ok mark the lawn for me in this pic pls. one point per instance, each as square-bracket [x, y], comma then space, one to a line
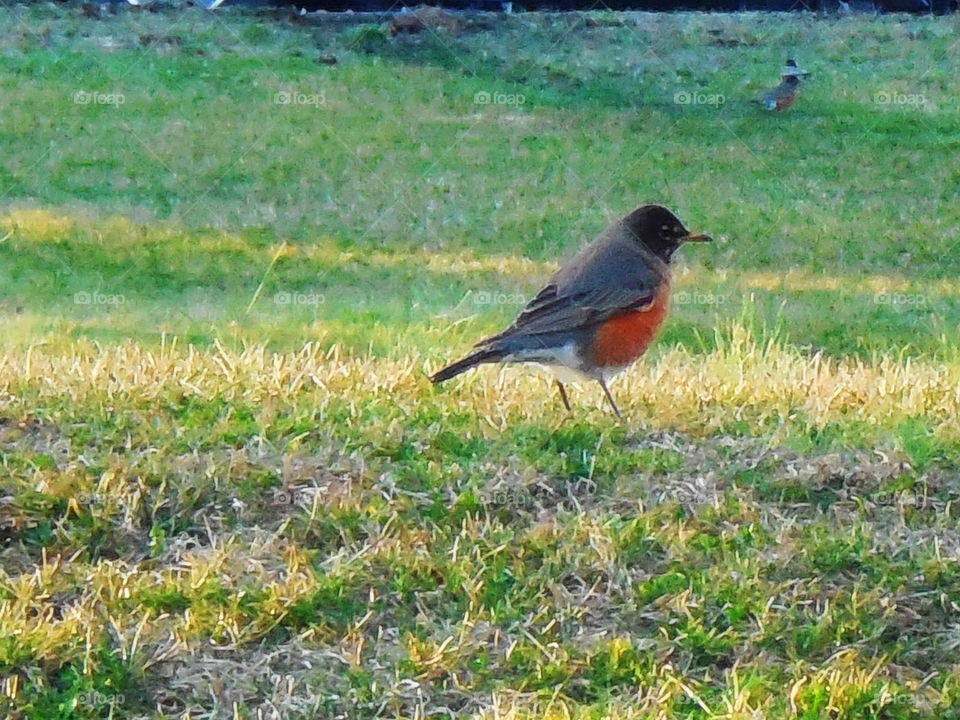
[228, 263]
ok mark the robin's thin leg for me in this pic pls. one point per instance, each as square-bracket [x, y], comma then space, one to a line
[610, 398]
[563, 396]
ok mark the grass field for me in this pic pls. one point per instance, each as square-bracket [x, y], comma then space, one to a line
[226, 266]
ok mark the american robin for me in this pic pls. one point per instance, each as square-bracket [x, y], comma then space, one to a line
[783, 95]
[600, 311]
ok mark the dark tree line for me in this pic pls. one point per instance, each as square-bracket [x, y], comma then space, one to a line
[938, 7]
[911, 6]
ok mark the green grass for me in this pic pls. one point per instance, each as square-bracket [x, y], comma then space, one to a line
[227, 488]
[178, 199]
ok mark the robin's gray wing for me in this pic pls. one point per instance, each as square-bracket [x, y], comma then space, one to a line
[551, 312]
[609, 276]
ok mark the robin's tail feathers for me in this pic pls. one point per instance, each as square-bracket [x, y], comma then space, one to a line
[477, 358]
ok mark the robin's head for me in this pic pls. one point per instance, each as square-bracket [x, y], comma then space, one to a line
[792, 73]
[659, 230]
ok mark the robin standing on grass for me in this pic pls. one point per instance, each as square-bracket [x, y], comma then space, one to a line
[600, 311]
[783, 95]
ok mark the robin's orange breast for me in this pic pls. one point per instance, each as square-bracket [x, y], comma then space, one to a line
[786, 101]
[625, 337]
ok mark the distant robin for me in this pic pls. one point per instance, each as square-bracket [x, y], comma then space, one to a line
[783, 95]
[600, 311]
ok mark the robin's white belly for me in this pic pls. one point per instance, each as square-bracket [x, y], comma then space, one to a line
[566, 364]
[565, 374]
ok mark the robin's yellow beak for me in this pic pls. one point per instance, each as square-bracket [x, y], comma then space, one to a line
[698, 237]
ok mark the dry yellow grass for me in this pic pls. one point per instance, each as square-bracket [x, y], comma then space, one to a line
[701, 393]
